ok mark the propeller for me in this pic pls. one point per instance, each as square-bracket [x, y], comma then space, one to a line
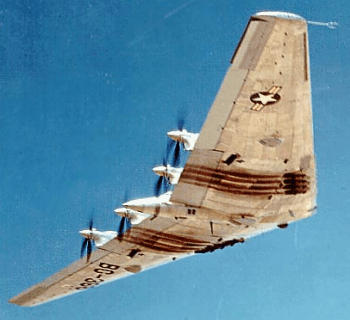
[162, 183]
[121, 226]
[124, 224]
[87, 244]
[177, 149]
[177, 153]
[180, 122]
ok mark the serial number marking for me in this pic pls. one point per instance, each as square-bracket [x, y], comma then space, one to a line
[104, 269]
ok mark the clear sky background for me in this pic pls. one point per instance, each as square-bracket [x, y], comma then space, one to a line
[88, 90]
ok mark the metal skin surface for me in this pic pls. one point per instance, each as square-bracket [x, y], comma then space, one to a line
[251, 170]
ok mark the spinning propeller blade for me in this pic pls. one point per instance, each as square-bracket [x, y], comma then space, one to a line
[89, 250]
[162, 183]
[121, 226]
[176, 160]
[87, 244]
[124, 220]
[177, 149]
[83, 247]
[158, 186]
[180, 122]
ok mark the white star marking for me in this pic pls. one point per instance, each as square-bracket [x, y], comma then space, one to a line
[264, 98]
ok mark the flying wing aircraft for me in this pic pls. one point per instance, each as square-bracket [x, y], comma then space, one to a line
[251, 168]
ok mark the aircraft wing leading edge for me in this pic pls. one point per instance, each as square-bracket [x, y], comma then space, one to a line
[253, 165]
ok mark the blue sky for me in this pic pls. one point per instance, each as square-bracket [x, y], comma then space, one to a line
[88, 90]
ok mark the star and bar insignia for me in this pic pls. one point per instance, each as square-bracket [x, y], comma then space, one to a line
[264, 98]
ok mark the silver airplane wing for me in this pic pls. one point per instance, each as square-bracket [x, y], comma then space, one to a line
[253, 163]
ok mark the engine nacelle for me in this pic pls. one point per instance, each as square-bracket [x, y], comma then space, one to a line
[188, 139]
[135, 217]
[163, 207]
[99, 237]
[169, 172]
[148, 204]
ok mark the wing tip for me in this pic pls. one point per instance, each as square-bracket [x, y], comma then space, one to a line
[29, 298]
[19, 302]
[280, 14]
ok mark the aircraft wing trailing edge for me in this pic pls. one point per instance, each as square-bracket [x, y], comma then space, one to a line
[252, 168]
